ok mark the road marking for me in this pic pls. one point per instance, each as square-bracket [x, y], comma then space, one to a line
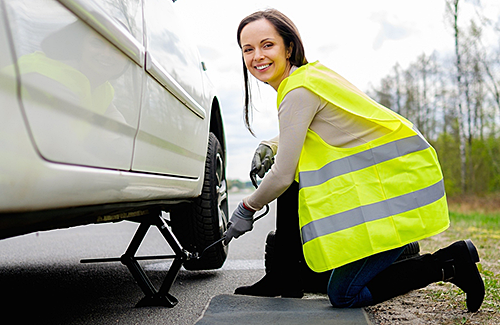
[229, 265]
[243, 265]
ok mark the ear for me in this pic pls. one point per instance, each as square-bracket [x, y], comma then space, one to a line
[289, 50]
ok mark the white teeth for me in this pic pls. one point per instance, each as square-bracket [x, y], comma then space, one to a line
[262, 67]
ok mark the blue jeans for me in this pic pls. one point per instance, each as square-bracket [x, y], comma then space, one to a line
[347, 285]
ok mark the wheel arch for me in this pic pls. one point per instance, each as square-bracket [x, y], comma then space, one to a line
[217, 125]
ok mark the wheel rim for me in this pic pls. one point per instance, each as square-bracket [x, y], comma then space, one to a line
[221, 188]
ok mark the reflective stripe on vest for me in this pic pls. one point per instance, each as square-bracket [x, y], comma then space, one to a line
[362, 160]
[372, 212]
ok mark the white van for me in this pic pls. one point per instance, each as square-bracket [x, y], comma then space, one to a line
[107, 114]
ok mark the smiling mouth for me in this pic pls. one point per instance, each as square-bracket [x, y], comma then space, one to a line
[262, 67]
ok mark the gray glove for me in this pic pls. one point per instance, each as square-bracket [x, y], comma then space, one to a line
[263, 159]
[241, 221]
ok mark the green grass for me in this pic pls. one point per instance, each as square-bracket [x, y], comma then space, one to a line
[475, 219]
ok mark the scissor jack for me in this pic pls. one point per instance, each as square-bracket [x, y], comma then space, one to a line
[153, 297]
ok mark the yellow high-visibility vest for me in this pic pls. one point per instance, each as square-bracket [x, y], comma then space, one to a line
[356, 202]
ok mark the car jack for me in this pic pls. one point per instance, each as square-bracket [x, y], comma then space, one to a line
[153, 297]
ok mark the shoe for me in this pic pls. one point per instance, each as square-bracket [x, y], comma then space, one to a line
[455, 264]
[270, 286]
[412, 250]
[459, 267]
[462, 251]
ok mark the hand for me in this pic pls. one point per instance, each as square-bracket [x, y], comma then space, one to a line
[262, 160]
[241, 221]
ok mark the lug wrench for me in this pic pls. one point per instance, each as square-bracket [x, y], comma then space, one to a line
[253, 178]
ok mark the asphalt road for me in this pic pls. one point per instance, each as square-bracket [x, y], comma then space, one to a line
[43, 282]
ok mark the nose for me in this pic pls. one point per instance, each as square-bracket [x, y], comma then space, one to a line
[259, 54]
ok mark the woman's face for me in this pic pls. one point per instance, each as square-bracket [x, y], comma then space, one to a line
[264, 52]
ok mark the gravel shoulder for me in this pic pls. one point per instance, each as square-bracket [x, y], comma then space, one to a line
[438, 303]
[430, 305]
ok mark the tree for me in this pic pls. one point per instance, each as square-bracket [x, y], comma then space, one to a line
[452, 9]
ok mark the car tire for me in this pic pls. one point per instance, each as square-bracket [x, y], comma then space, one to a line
[269, 256]
[204, 221]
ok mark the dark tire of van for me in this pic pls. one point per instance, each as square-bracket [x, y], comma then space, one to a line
[204, 221]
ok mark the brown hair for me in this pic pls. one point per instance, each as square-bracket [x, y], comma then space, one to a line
[291, 37]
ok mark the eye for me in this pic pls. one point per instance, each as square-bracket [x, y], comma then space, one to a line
[247, 50]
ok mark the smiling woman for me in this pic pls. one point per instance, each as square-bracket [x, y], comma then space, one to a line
[356, 183]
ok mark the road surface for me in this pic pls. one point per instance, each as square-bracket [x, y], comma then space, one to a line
[43, 282]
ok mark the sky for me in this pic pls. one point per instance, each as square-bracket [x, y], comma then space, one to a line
[360, 39]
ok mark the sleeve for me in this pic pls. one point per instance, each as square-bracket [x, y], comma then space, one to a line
[295, 114]
[273, 144]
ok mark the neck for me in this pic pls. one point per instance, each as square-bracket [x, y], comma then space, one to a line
[286, 73]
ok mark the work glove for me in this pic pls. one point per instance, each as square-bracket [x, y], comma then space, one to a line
[241, 221]
[263, 159]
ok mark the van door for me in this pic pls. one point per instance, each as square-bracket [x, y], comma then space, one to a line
[173, 131]
[80, 82]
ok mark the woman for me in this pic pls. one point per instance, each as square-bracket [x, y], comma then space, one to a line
[358, 180]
